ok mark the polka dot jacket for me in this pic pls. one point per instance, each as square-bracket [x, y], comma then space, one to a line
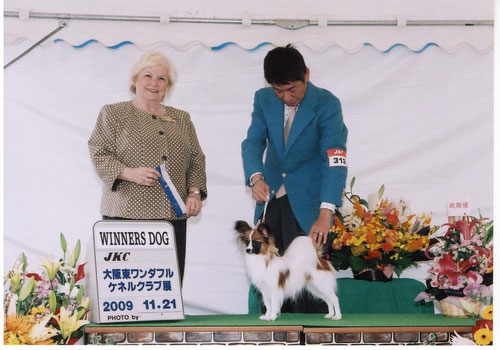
[125, 136]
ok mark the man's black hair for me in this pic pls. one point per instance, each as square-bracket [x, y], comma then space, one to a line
[283, 65]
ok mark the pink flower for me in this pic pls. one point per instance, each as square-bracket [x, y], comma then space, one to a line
[466, 229]
[454, 270]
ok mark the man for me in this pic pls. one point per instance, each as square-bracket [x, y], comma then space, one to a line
[301, 128]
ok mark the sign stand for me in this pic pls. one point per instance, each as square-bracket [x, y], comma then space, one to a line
[134, 272]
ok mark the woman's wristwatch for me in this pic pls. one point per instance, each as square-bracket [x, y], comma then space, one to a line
[196, 192]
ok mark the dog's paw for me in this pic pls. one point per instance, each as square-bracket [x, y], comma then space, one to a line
[329, 315]
[264, 318]
[273, 317]
[337, 317]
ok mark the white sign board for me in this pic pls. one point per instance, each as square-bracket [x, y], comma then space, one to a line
[459, 208]
[135, 272]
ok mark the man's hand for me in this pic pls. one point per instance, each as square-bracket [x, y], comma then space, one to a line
[260, 191]
[321, 227]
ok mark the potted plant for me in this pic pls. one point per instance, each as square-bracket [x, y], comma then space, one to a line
[376, 237]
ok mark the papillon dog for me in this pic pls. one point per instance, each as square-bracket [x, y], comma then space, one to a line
[280, 277]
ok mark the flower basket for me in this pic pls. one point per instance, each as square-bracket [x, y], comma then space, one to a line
[371, 236]
[451, 310]
[460, 276]
[375, 275]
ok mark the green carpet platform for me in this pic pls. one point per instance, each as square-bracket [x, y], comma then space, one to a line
[363, 297]
[288, 329]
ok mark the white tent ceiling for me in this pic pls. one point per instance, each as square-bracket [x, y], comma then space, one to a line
[182, 36]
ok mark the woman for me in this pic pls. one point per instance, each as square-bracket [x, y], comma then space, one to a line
[132, 138]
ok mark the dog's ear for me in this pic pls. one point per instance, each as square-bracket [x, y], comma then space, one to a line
[264, 230]
[241, 226]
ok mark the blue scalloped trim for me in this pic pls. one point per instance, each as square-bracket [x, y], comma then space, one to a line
[406, 47]
[224, 45]
[91, 41]
[229, 43]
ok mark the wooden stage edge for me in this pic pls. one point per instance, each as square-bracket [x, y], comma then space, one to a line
[391, 329]
[133, 329]
[306, 329]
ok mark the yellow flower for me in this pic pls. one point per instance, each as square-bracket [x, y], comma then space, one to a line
[357, 250]
[38, 310]
[68, 323]
[356, 241]
[18, 329]
[483, 336]
[487, 313]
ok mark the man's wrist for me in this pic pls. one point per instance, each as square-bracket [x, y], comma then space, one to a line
[256, 178]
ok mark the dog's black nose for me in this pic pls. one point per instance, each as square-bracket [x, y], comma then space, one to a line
[248, 250]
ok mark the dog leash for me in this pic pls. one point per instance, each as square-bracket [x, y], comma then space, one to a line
[262, 220]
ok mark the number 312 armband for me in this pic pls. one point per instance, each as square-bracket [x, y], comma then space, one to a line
[337, 157]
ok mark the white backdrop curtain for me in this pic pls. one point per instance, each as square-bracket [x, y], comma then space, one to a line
[422, 124]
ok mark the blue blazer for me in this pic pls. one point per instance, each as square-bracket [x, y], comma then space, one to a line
[303, 164]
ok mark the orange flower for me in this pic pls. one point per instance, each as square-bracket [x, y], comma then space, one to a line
[373, 254]
[406, 225]
[337, 246]
[392, 217]
[370, 236]
[390, 236]
[387, 247]
[339, 224]
[415, 245]
[347, 236]
[360, 212]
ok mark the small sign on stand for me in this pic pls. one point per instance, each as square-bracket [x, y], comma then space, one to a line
[134, 272]
[457, 209]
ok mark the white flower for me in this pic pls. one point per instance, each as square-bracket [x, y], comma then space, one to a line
[459, 340]
[39, 332]
[64, 289]
[12, 305]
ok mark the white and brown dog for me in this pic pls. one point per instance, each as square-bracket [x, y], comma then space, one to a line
[280, 277]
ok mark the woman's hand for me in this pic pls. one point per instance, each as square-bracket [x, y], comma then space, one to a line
[142, 176]
[193, 204]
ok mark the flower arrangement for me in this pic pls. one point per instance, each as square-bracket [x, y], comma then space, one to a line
[46, 308]
[461, 272]
[376, 234]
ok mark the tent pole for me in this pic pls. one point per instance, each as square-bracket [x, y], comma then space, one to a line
[62, 24]
[305, 22]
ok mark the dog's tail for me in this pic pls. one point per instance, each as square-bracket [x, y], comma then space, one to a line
[323, 263]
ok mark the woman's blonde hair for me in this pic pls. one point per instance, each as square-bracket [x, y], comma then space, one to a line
[149, 59]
